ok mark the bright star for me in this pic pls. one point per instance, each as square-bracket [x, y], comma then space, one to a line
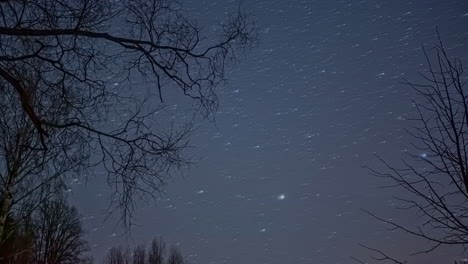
[281, 197]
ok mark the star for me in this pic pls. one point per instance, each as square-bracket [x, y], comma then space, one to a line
[281, 197]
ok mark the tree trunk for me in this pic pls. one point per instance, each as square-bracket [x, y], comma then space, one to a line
[4, 211]
[5, 205]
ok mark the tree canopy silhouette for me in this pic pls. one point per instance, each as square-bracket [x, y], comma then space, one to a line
[156, 253]
[52, 234]
[81, 82]
[435, 180]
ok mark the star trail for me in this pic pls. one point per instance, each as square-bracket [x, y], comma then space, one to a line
[280, 174]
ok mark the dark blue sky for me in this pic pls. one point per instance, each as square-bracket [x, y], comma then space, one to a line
[280, 177]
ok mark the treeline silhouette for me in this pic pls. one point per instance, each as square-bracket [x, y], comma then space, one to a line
[156, 253]
[51, 234]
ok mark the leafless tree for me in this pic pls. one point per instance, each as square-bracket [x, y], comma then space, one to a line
[435, 180]
[28, 177]
[139, 255]
[58, 234]
[156, 254]
[80, 81]
[378, 256]
[52, 234]
[156, 251]
[17, 243]
[117, 255]
[175, 256]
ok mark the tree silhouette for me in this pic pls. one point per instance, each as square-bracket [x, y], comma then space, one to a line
[58, 234]
[28, 176]
[156, 251]
[80, 82]
[175, 257]
[52, 234]
[157, 254]
[435, 181]
[17, 243]
[139, 255]
[117, 255]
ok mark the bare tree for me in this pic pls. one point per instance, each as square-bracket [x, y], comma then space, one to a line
[175, 256]
[28, 176]
[58, 234]
[82, 78]
[117, 255]
[156, 254]
[52, 234]
[139, 255]
[156, 251]
[17, 243]
[435, 180]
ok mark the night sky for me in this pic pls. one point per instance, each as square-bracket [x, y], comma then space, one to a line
[280, 176]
